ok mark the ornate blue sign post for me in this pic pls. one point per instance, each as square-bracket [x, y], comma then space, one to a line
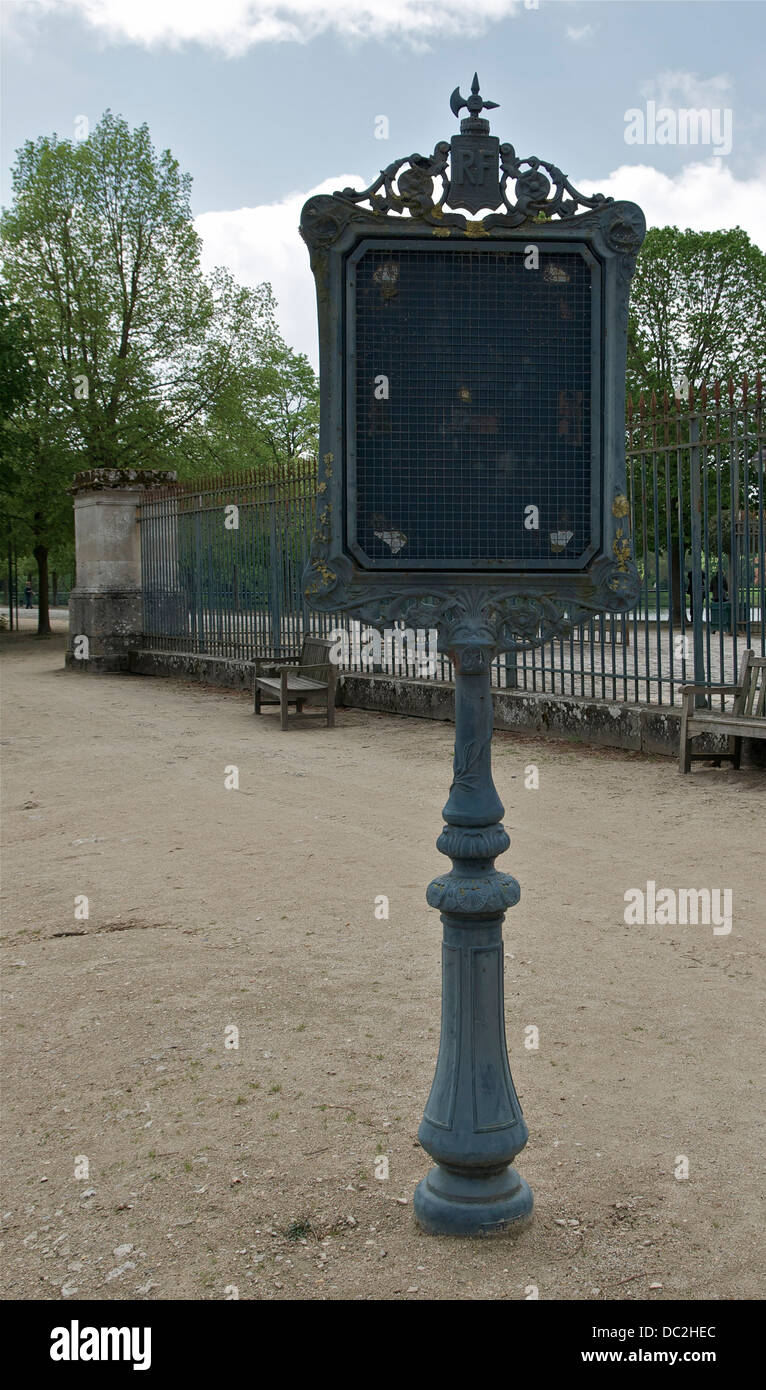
[472, 377]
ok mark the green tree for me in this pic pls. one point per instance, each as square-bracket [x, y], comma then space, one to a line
[697, 312]
[34, 474]
[254, 418]
[131, 343]
[16, 367]
[23, 391]
[697, 309]
[285, 393]
[267, 413]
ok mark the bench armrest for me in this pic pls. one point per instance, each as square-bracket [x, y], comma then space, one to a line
[710, 689]
[277, 672]
[272, 662]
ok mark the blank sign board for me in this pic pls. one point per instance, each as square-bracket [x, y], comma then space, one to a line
[473, 384]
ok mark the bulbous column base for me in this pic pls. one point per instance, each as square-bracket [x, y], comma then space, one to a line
[447, 1203]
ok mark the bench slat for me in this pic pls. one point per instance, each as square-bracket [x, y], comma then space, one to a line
[742, 725]
[293, 683]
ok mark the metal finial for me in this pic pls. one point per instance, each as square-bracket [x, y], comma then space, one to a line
[474, 105]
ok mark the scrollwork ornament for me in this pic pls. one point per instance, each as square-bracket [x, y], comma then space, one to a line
[475, 619]
[625, 229]
[618, 585]
[406, 188]
[532, 191]
[415, 186]
[322, 220]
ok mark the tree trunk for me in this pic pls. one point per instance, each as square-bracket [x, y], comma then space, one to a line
[43, 610]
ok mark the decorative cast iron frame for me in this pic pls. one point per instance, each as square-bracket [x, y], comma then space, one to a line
[409, 204]
[473, 1125]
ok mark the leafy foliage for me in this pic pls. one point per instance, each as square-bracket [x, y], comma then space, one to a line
[697, 309]
[128, 356]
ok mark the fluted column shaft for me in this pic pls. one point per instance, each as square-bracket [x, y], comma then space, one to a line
[472, 1126]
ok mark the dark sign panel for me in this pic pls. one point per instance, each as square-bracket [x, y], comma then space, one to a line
[472, 381]
[473, 408]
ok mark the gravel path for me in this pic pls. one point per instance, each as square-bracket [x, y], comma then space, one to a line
[145, 1157]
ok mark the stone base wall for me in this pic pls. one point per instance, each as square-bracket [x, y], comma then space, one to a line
[208, 670]
[605, 723]
[642, 728]
[110, 621]
[599, 722]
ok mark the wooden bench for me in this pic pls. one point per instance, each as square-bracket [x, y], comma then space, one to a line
[314, 675]
[744, 720]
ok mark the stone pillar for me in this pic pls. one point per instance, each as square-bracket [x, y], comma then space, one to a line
[105, 604]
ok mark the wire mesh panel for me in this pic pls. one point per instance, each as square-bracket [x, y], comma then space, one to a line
[472, 403]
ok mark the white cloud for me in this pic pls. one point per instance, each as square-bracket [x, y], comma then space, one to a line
[704, 196]
[679, 87]
[577, 35]
[263, 243]
[233, 26]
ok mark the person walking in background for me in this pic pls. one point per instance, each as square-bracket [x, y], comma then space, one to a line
[690, 592]
[719, 588]
[28, 592]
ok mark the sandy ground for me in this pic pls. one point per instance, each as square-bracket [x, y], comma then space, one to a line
[212, 1168]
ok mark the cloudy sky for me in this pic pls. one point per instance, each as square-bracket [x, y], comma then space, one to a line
[267, 101]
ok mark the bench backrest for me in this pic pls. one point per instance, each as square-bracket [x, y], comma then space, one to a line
[751, 696]
[315, 652]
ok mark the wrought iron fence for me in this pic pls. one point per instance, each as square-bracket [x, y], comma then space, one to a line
[221, 562]
[695, 473]
[222, 559]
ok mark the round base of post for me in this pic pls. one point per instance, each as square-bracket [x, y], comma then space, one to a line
[447, 1203]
